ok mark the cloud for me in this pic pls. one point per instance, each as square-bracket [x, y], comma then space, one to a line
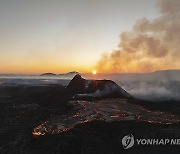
[150, 45]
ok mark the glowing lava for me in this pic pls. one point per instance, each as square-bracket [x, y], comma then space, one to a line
[103, 110]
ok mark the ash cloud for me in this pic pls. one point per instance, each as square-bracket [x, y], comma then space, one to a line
[150, 45]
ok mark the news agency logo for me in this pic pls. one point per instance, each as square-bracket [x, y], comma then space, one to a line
[128, 141]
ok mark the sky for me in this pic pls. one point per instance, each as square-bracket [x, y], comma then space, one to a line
[59, 36]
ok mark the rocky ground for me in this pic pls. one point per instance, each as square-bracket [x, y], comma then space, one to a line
[23, 108]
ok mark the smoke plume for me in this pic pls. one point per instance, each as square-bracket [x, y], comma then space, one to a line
[150, 45]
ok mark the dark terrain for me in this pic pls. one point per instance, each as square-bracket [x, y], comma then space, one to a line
[24, 107]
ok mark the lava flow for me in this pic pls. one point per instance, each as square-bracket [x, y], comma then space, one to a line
[104, 110]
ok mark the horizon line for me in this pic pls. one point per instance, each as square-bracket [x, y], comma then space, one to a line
[89, 72]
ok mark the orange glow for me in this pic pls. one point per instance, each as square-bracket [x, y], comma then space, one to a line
[37, 68]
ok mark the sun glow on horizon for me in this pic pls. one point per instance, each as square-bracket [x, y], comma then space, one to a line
[94, 72]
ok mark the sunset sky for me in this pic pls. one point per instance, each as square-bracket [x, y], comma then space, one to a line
[58, 36]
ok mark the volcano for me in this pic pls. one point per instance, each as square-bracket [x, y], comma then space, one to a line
[80, 88]
[100, 100]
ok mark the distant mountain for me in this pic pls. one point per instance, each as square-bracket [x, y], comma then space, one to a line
[66, 75]
[168, 72]
[48, 74]
[69, 74]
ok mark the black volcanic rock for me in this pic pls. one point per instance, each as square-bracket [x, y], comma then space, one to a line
[76, 85]
[81, 88]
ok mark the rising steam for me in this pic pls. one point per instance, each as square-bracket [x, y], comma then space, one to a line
[150, 45]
